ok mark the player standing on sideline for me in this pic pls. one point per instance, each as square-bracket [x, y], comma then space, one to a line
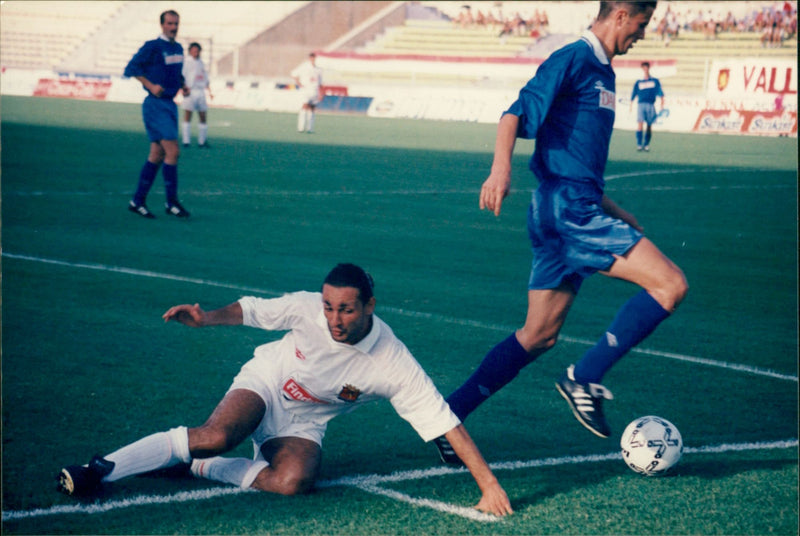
[646, 90]
[575, 229]
[337, 355]
[158, 65]
[194, 72]
[309, 78]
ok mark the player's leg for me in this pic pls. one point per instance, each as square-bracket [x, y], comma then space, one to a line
[234, 418]
[294, 464]
[663, 285]
[186, 127]
[202, 129]
[639, 135]
[170, 171]
[648, 134]
[311, 115]
[302, 118]
[147, 176]
[547, 310]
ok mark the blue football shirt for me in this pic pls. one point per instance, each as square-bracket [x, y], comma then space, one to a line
[568, 106]
[161, 62]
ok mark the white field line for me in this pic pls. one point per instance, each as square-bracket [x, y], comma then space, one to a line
[439, 191]
[373, 484]
[757, 371]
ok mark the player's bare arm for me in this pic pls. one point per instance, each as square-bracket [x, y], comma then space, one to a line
[195, 316]
[155, 89]
[494, 499]
[615, 211]
[497, 186]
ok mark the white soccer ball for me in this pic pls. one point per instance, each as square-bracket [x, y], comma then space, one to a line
[651, 445]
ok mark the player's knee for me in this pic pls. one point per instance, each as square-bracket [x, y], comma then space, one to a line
[283, 483]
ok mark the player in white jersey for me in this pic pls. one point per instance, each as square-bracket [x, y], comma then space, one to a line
[196, 76]
[336, 356]
[309, 78]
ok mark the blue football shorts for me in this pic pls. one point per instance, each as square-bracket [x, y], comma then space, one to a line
[646, 113]
[571, 236]
[160, 118]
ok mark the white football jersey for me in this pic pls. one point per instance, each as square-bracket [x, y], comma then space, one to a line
[310, 76]
[194, 73]
[319, 378]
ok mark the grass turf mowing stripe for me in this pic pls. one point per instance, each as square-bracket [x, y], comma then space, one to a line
[371, 484]
[757, 371]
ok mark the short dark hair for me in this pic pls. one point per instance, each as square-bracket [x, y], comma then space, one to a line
[645, 64]
[195, 44]
[633, 8]
[350, 275]
[168, 12]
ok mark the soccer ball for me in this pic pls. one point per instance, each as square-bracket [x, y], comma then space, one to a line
[651, 445]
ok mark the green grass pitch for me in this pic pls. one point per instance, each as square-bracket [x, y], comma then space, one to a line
[88, 365]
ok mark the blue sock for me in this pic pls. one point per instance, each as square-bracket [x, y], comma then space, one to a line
[146, 178]
[500, 366]
[171, 183]
[634, 322]
[638, 137]
[647, 136]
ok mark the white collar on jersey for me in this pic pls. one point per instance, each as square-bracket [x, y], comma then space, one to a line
[597, 48]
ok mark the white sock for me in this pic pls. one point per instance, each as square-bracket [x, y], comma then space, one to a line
[301, 120]
[202, 133]
[155, 451]
[187, 132]
[310, 126]
[240, 472]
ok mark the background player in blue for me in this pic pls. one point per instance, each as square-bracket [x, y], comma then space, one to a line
[575, 229]
[646, 90]
[158, 66]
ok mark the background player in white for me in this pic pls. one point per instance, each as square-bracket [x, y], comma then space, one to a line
[196, 76]
[309, 78]
[336, 356]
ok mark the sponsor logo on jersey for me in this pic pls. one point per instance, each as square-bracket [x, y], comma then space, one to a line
[299, 354]
[295, 391]
[349, 393]
[607, 98]
[172, 59]
[647, 84]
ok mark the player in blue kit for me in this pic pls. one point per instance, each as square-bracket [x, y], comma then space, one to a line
[158, 66]
[646, 91]
[575, 229]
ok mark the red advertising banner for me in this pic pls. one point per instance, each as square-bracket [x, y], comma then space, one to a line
[72, 89]
[776, 123]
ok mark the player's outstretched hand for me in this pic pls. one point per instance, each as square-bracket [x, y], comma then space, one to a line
[495, 501]
[494, 190]
[190, 315]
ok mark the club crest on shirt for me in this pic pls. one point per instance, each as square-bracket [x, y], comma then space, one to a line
[349, 393]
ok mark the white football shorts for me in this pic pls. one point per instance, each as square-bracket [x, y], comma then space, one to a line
[277, 422]
[195, 101]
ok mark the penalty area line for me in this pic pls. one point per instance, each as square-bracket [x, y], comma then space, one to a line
[372, 484]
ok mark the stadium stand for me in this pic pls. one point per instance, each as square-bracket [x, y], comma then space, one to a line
[267, 39]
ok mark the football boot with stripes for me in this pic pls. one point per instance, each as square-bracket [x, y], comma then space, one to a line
[84, 480]
[141, 210]
[175, 209]
[586, 402]
[446, 452]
